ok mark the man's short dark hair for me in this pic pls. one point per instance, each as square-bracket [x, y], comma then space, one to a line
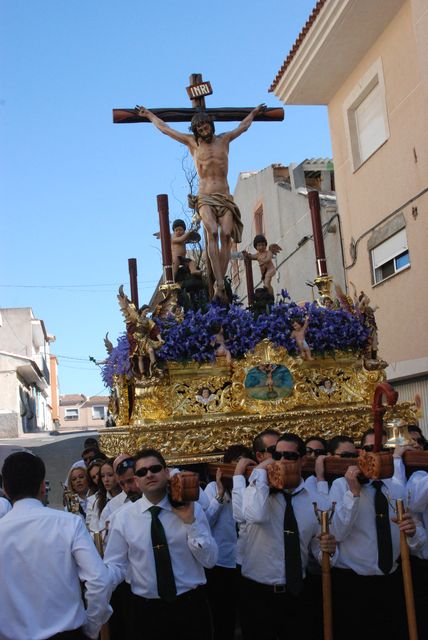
[370, 432]
[236, 451]
[292, 437]
[97, 453]
[23, 473]
[334, 443]
[150, 453]
[91, 442]
[415, 428]
[258, 444]
[318, 439]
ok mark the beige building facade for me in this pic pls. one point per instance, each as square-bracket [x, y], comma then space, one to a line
[78, 412]
[368, 62]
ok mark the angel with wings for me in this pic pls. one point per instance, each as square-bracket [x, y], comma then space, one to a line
[264, 257]
[143, 335]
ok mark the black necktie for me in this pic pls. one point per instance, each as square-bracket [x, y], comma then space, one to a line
[383, 528]
[164, 573]
[293, 560]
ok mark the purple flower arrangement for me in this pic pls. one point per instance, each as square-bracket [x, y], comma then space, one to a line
[193, 339]
[117, 361]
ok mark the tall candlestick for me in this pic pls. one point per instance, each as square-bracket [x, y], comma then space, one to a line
[165, 234]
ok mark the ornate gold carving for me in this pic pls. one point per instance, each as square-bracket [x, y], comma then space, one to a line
[119, 400]
[324, 285]
[168, 416]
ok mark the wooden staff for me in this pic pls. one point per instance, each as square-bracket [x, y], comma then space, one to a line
[326, 583]
[98, 541]
[324, 518]
[407, 578]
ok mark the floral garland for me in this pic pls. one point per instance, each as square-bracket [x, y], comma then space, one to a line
[193, 338]
[117, 362]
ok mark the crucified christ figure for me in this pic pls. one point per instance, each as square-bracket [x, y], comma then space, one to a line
[214, 204]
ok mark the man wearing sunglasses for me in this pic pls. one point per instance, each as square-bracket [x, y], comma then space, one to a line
[316, 447]
[163, 550]
[264, 444]
[367, 568]
[282, 528]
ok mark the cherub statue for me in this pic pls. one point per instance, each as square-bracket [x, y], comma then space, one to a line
[218, 341]
[205, 396]
[143, 335]
[180, 237]
[327, 386]
[264, 257]
[298, 333]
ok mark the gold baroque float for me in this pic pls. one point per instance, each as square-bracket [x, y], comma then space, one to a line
[194, 412]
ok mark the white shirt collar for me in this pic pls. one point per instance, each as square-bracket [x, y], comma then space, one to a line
[26, 503]
[145, 504]
[297, 489]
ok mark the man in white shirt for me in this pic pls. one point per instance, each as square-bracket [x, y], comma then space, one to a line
[44, 556]
[417, 492]
[120, 624]
[162, 550]
[222, 580]
[367, 570]
[282, 527]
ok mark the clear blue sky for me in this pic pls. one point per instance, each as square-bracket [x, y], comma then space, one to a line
[77, 193]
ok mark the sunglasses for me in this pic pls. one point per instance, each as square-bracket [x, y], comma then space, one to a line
[155, 468]
[316, 452]
[269, 449]
[348, 454]
[124, 465]
[287, 455]
[370, 447]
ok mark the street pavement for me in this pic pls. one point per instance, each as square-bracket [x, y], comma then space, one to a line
[58, 452]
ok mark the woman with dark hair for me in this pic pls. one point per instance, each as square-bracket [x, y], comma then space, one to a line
[108, 486]
[93, 473]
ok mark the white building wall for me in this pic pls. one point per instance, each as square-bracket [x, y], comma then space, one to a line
[286, 221]
[22, 336]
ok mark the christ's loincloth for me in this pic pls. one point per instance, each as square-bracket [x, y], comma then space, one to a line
[220, 204]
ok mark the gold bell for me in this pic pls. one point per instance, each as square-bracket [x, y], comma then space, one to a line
[397, 433]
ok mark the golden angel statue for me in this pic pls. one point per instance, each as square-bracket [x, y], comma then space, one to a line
[143, 336]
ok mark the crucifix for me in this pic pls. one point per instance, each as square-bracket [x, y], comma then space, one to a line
[213, 204]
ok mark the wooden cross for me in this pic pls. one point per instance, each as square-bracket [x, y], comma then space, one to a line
[197, 91]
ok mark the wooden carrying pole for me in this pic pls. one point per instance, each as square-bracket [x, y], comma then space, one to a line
[385, 389]
[326, 584]
[407, 578]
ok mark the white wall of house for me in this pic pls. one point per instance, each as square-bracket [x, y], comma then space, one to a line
[25, 386]
[286, 221]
